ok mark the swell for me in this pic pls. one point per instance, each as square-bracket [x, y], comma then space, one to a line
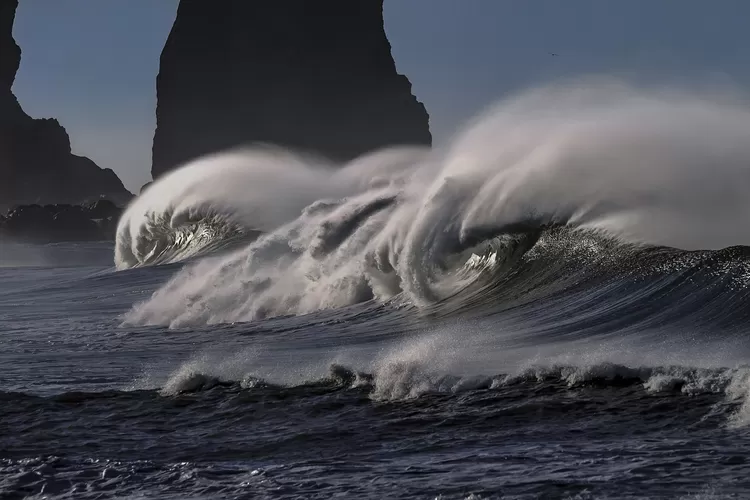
[604, 285]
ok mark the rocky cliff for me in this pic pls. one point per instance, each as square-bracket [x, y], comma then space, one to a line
[315, 76]
[36, 163]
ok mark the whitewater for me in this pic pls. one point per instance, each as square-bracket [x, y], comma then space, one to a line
[552, 304]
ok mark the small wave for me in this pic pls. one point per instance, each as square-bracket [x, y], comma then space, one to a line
[401, 381]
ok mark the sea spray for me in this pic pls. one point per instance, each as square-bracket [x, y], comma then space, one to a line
[657, 166]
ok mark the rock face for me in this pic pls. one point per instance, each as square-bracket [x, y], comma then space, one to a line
[36, 163]
[316, 76]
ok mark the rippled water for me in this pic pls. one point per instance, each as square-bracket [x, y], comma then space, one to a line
[593, 389]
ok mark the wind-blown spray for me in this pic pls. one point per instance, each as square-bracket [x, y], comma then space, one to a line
[657, 167]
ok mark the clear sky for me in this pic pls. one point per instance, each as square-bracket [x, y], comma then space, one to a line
[93, 63]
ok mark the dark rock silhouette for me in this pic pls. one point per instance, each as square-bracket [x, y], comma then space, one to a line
[50, 223]
[36, 163]
[316, 76]
[10, 52]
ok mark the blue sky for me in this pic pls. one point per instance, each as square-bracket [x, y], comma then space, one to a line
[93, 63]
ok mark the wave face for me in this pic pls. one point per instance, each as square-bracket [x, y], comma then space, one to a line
[547, 190]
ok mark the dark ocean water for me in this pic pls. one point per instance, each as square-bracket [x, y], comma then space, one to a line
[552, 378]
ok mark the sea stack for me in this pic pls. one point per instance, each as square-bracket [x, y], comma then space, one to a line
[36, 163]
[313, 76]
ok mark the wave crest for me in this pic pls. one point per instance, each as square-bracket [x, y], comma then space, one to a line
[657, 167]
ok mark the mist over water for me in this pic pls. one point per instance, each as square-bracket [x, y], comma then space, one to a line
[24, 255]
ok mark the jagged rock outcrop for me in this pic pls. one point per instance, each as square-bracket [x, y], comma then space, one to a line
[36, 163]
[316, 76]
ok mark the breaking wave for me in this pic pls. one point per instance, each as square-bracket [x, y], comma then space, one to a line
[549, 189]
[401, 380]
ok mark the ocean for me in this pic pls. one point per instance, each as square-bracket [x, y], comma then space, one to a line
[554, 306]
